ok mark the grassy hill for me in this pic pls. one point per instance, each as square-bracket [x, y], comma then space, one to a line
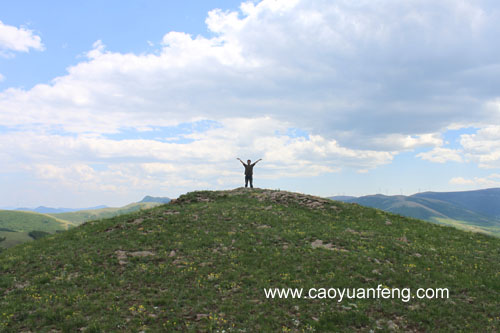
[12, 238]
[103, 213]
[15, 226]
[202, 262]
[485, 202]
[442, 208]
[27, 221]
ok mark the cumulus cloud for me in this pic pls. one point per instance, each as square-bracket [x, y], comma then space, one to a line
[208, 158]
[365, 80]
[442, 155]
[375, 68]
[461, 181]
[483, 147]
[18, 40]
[492, 180]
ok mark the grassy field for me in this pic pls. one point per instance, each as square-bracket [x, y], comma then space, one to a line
[464, 225]
[453, 212]
[201, 264]
[22, 222]
[13, 238]
[16, 225]
[27, 221]
[81, 216]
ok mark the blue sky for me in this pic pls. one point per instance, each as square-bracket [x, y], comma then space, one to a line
[105, 102]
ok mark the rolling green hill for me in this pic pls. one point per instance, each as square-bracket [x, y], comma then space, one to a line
[27, 221]
[16, 225]
[201, 264]
[81, 216]
[442, 208]
[12, 238]
[485, 202]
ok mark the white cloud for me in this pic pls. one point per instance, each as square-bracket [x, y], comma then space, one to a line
[18, 39]
[366, 80]
[95, 165]
[380, 69]
[392, 142]
[442, 155]
[2, 77]
[461, 181]
[492, 180]
[483, 147]
[210, 154]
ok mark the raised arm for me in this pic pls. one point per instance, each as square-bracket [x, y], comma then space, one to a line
[240, 160]
[260, 159]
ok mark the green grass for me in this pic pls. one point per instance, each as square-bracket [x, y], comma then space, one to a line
[27, 221]
[14, 238]
[15, 226]
[437, 211]
[81, 216]
[467, 226]
[201, 264]
[23, 222]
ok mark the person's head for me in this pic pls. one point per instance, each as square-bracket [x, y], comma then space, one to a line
[248, 161]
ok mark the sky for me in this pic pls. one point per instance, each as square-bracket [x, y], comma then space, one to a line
[104, 102]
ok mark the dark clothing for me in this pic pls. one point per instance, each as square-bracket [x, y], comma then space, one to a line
[248, 173]
[248, 179]
[249, 169]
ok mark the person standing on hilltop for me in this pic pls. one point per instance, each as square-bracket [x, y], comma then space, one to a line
[249, 171]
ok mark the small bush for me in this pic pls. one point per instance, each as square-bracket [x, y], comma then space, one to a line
[36, 234]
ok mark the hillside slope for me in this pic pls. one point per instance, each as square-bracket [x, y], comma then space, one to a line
[202, 262]
[27, 221]
[485, 202]
[9, 238]
[15, 226]
[81, 216]
[440, 208]
[149, 198]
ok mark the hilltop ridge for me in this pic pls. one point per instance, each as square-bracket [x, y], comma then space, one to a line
[202, 262]
[275, 196]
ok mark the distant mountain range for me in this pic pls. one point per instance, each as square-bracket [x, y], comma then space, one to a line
[50, 210]
[471, 210]
[17, 224]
